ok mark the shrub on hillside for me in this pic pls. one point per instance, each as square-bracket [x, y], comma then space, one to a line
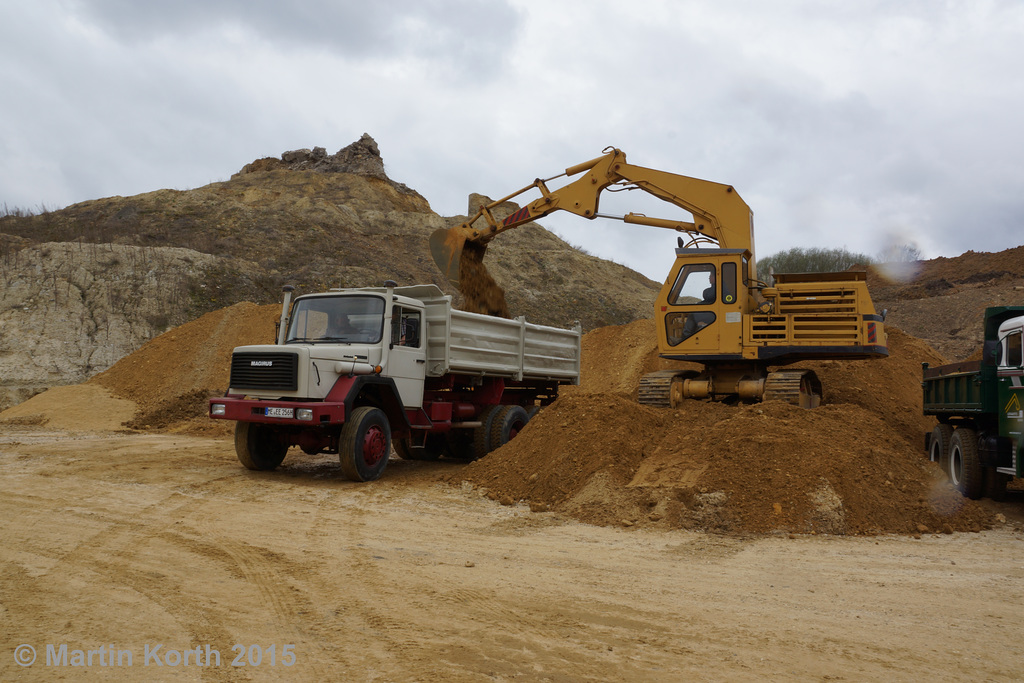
[813, 260]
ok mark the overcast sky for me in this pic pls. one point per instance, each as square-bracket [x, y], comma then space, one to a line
[851, 123]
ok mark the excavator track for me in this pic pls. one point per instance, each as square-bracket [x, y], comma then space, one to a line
[799, 387]
[656, 388]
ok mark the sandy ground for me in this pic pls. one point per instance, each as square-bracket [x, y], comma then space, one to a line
[125, 541]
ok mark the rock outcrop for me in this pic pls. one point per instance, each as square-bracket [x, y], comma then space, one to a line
[362, 157]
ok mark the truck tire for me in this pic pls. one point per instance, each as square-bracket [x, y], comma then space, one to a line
[507, 422]
[938, 451]
[965, 471]
[995, 484]
[431, 450]
[365, 444]
[258, 446]
[482, 434]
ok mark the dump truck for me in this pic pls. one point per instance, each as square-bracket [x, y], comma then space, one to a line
[979, 407]
[712, 309]
[355, 371]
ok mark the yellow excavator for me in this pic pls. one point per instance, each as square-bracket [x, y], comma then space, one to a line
[712, 309]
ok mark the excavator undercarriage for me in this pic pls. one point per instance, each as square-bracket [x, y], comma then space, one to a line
[668, 388]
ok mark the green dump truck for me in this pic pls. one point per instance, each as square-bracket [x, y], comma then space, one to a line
[979, 407]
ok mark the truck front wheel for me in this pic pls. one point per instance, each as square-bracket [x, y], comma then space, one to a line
[965, 471]
[365, 444]
[258, 446]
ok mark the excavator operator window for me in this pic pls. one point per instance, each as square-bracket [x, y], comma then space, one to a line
[694, 286]
[680, 326]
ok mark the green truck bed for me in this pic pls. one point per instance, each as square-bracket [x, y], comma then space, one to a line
[958, 388]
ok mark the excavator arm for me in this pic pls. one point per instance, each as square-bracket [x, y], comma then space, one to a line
[720, 215]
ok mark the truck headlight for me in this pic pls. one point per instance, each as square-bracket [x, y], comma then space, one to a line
[218, 409]
[304, 414]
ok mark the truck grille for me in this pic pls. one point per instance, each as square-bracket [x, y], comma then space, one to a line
[279, 371]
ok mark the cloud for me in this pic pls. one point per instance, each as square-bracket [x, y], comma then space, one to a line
[448, 31]
[839, 123]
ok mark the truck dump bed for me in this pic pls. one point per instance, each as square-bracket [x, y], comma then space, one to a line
[475, 344]
[954, 389]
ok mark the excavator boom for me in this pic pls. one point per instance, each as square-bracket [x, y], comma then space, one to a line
[720, 215]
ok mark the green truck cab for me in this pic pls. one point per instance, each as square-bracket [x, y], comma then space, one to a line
[980, 408]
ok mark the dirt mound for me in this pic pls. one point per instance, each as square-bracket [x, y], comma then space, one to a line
[852, 466]
[888, 388]
[756, 468]
[616, 357]
[170, 376]
[78, 407]
[974, 266]
[942, 275]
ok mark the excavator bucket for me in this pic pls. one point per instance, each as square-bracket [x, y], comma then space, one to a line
[446, 245]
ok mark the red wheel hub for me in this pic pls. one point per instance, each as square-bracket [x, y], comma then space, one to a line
[374, 446]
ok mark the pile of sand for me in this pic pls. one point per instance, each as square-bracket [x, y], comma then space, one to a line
[78, 407]
[170, 377]
[164, 385]
[853, 466]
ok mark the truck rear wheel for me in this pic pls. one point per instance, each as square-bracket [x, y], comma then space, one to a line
[508, 422]
[365, 444]
[939, 448]
[258, 446]
[482, 434]
[965, 471]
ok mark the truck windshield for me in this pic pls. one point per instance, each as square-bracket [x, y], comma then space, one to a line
[338, 319]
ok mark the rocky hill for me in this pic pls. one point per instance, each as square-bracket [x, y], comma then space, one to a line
[89, 284]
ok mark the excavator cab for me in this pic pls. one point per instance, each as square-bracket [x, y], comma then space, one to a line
[700, 306]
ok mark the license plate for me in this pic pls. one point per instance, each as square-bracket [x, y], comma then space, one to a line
[279, 412]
